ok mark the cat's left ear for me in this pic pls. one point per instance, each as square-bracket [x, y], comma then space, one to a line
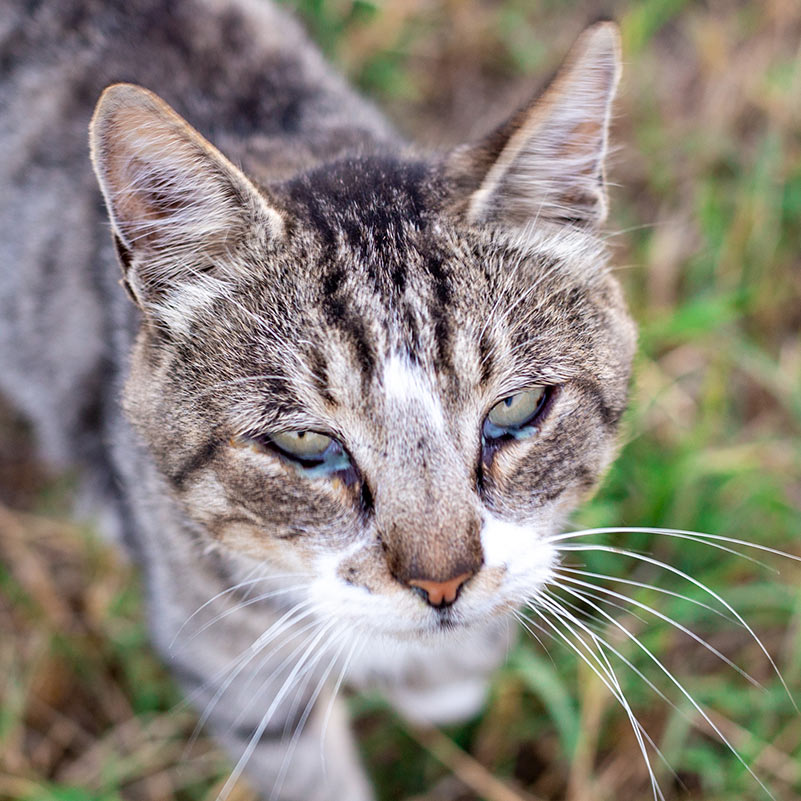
[547, 162]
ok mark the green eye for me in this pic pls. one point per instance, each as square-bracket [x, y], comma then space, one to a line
[515, 413]
[312, 453]
[306, 445]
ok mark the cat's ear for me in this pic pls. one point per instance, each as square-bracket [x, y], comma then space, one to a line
[547, 162]
[180, 210]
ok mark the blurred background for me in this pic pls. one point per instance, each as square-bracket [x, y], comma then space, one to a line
[705, 229]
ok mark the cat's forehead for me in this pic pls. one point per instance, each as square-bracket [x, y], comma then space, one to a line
[381, 294]
[378, 232]
[353, 198]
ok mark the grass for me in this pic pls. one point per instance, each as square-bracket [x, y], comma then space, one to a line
[708, 206]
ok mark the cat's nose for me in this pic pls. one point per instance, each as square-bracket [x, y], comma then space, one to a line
[440, 594]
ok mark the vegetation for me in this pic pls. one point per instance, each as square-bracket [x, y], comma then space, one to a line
[706, 228]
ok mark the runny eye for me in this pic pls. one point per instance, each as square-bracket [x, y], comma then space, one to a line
[307, 445]
[314, 453]
[513, 414]
[311, 452]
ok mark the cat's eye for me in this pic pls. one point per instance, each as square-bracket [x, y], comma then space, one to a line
[311, 451]
[516, 414]
[302, 444]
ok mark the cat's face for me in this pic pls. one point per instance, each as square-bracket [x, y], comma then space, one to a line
[392, 377]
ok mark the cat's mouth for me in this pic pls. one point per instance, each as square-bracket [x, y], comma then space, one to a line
[446, 620]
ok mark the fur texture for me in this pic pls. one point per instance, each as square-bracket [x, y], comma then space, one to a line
[318, 277]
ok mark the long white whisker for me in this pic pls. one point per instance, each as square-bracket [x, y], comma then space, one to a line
[244, 604]
[692, 538]
[689, 632]
[740, 619]
[275, 630]
[306, 712]
[644, 586]
[601, 599]
[306, 675]
[695, 536]
[698, 708]
[609, 680]
[600, 641]
[527, 623]
[232, 589]
[287, 660]
[355, 650]
[277, 700]
[602, 645]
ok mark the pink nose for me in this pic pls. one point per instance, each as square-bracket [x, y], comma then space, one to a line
[441, 593]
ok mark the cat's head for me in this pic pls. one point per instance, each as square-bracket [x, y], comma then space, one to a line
[393, 375]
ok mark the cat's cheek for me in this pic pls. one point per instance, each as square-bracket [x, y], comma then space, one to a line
[209, 506]
[522, 552]
[355, 587]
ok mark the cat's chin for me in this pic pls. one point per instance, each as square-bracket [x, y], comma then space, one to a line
[435, 628]
[436, 675]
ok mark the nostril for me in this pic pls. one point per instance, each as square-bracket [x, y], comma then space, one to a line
[439, 594]
[421, 592]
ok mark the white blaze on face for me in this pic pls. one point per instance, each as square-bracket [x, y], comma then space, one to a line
[405, 384]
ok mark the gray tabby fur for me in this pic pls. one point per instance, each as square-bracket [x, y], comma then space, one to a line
[347, 285]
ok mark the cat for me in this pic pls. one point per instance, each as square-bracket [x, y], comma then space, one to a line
[336, 395]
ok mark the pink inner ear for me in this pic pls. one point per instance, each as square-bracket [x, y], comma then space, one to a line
[166, 187]
[153, 172]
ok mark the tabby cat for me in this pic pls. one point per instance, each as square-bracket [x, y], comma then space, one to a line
[347, 390]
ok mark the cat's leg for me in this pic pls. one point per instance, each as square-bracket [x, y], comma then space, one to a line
[304, 752]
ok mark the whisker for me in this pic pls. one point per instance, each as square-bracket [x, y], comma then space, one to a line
[275, 630]
[689, 632]
[244, 604]
[355, 651]
[715, 545]
[682, 689]
[277, 700]
[740, 619]
[601, 641]
[607, 676]
[523, 621]
[305, 716]
[697, 536]
[288, 659]
[652, 587]
[232, 589]
[601, 599]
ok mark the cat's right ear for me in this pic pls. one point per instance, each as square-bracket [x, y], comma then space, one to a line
[180, 210]
[547, 162]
